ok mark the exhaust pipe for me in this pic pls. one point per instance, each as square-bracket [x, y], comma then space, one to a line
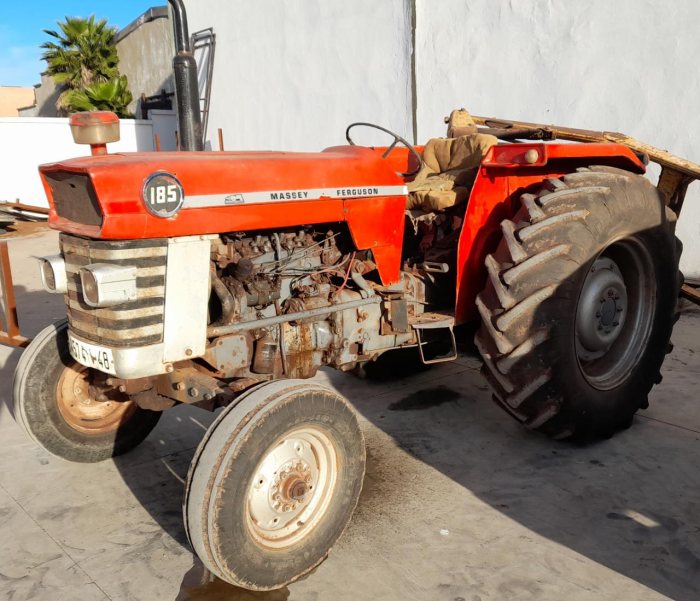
[186, 84]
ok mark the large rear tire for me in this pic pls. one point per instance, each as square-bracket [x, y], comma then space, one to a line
[52, 402]
[274, 483]
[580, 303]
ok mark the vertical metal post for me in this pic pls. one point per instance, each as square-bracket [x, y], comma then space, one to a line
[186, 84]
[9, 326]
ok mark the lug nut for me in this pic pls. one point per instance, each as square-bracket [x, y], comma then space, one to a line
[193, 392]
[180, 386]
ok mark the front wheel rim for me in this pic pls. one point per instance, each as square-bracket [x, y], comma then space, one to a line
[84, 413]
[292, 487]
[615, 313]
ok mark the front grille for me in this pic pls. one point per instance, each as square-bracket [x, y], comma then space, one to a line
[74, 197]
[135, 323]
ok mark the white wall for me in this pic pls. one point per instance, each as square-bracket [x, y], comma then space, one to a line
[26, 143]
[627, 65]
[291, 75]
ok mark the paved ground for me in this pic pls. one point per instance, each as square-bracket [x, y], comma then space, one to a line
[459, 504]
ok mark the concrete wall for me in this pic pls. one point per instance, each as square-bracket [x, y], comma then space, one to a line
[12, 98]
[46, 95]
[30, 142]
[146, 51]
[291, 75]
[627, 66]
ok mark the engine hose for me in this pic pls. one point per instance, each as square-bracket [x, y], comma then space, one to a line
[225, 297]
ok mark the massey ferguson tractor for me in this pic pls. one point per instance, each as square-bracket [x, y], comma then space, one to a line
[227, 279]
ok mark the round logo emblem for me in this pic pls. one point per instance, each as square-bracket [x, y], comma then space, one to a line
[163, 195]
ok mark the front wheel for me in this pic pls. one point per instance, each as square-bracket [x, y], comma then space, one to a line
[580, 303]
[54, 404]
[274, 483]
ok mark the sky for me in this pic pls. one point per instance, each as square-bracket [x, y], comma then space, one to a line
[21, 25]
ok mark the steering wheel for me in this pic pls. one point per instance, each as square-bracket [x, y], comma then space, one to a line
[387, 152]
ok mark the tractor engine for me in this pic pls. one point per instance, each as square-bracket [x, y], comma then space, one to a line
[285, 285]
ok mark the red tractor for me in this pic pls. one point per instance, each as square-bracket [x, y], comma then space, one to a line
[226, 279]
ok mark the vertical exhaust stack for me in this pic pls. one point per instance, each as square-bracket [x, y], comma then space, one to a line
[186, 85]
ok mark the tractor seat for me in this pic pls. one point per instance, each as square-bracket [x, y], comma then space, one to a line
[448, 172]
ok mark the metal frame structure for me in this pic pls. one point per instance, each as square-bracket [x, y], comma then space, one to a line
[9, 326]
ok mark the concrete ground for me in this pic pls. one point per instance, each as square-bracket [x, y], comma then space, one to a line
[459, 504]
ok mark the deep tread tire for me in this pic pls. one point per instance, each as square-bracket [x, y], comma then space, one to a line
[216, 494]
[36, 410]
[529, 305]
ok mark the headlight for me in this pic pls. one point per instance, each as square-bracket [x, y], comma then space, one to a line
[106, 285]
[53, 274]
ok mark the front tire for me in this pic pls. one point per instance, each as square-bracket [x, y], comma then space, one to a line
[52, 403]
[580, 303]
[274, 483]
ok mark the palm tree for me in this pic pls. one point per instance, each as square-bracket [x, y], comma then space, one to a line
[83, 54]
[112, 95]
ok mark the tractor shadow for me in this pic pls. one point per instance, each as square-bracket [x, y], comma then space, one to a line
[629, 503]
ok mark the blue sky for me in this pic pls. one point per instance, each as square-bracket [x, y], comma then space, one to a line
[21, 25]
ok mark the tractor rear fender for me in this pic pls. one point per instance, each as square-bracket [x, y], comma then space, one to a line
[506, 171]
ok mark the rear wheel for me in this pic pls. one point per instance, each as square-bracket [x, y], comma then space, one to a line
[54, 404]
[274, 484]
[580, 303]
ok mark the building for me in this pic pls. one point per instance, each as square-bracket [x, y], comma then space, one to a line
[145, 49]
[13, 98]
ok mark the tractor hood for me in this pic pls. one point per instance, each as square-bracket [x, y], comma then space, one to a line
[164, 194]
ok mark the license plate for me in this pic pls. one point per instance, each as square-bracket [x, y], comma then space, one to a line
[91, 355]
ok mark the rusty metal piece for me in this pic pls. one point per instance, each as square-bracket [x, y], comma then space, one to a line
[18, 206]
[9, 325]
[82, 411]
[673, 184]
[188, 385]
[690, 293]
[243, 383]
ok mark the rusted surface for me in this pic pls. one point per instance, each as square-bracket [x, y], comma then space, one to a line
[24, 228]
[692, 294]
[673, 184]
[82, 411]
[9, 326]
[188, 385]
[19, 206]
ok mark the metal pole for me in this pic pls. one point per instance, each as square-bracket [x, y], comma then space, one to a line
[256, 324]
[9, 326]
[186, 84]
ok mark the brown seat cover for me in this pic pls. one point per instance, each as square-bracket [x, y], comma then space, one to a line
[448, 172]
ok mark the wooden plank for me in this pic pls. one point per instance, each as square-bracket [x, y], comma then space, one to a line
[657, 155]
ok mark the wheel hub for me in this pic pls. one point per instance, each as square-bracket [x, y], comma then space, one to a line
[602, 309]
[291, 488]
[81, 411]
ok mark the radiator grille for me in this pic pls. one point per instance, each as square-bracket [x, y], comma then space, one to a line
[136, 323]
[74, 197]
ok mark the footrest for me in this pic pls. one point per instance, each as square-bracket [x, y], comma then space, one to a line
[434, 322]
